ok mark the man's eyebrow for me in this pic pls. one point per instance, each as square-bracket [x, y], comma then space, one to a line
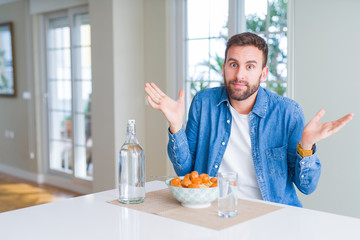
[252, 61]
[249, 61]
[232, 59]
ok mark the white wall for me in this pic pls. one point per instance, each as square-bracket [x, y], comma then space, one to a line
[14, 115]
[128, 49]
[118, 79]
[129, 69]
[156, 66]
[103, 105]
[327, 51]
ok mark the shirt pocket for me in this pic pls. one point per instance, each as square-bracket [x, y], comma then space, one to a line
[276, 159]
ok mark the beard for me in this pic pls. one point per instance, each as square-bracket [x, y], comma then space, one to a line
[239, 94]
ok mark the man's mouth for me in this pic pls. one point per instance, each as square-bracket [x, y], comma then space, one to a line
[239, 84]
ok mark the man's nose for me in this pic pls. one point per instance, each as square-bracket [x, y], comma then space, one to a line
[241, 73]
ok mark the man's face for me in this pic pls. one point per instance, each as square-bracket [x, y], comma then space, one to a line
[243, 71]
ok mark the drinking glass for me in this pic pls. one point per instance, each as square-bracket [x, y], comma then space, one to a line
[227, 201]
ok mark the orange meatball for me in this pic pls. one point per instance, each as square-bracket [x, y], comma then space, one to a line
[194, 174]
[194, 185]
[175, 181]
[197, 180]
[204, 177]
[185, 182]
[214, 180]
[187, 176]
[215, 184]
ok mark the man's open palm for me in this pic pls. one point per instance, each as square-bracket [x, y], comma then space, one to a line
[315, 131]
[174, 111]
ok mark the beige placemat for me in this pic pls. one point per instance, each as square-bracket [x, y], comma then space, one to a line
[162, 203]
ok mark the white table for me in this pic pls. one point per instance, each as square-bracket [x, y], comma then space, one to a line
[91, 217]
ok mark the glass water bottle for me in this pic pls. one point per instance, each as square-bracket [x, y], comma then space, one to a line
[131, 168]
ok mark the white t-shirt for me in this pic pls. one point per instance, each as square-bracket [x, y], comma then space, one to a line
[238, 158]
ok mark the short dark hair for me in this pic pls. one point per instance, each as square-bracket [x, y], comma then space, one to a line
[248, 39]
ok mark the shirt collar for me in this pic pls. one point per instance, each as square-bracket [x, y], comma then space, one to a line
[223, 96]
[261, 103]
[260, 106]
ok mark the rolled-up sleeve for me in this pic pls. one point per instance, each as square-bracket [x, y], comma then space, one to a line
[308, 172]
[305, 171]
[178, 151]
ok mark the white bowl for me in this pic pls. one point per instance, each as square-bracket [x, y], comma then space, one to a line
[193, 197]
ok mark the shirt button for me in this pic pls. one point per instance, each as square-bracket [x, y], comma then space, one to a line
[223, 143]
[172, 140]
[228, 121]
[302, 176]
[216, 166]
[302, 162]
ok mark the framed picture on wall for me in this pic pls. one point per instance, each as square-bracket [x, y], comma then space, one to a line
[7, 64]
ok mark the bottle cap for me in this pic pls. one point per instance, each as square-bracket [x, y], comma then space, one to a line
[131, 122]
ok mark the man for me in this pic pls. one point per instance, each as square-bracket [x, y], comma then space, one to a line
[244, 128]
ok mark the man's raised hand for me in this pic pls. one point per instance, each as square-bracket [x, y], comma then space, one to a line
[174, 111]
[315, 131]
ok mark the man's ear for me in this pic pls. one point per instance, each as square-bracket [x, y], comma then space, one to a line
[264, 73]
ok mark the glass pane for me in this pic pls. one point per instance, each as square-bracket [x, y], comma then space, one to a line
[219, 11]
[82, 128]
[216, 84]
[59, 91]
[83, 167]
[255, 12]
[82, 49]
[82, 94]
[59, 64]
[89, 163]
[59, 33]
[198, 58]
[198, 15]
[82, 60]
[278, 15]
[196, 86]
[60, 95]
[217, 55]
[82, 30]
[277, 61]
[61, 156]
[60, 125]
[279, 88]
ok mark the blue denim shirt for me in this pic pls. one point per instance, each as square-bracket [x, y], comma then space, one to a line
[276, 125]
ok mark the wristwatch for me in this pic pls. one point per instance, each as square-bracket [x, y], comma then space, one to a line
[302, 152]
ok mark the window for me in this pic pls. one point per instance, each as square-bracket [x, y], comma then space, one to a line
[268, 19]
[69, 88]
[209, 23]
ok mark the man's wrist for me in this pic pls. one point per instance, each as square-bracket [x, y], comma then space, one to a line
[175, 129]
[306, 146]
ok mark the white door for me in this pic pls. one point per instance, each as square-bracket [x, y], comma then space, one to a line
[69, 87]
